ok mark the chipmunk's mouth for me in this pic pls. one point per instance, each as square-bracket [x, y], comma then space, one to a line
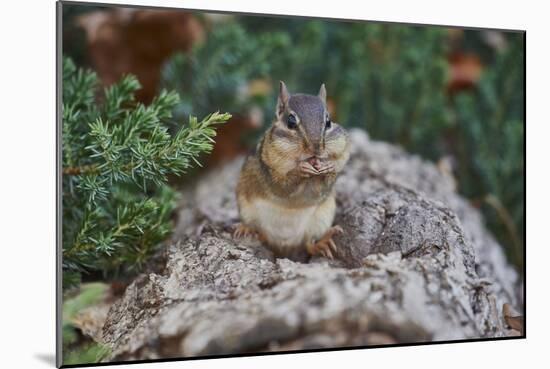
[315, 162]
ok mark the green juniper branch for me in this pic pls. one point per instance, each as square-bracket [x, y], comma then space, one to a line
[117, 154]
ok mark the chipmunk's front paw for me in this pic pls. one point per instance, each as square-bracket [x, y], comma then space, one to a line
[326, 168]
[315, 167]
[307, 170]
[325, 246]
[243, 231]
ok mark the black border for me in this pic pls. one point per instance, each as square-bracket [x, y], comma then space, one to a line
[308, 351]
[58, 186]
[59, 212]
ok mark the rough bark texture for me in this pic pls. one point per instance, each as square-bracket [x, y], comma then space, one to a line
[415, 263]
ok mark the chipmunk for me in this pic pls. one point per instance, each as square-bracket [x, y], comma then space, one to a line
[285, 192]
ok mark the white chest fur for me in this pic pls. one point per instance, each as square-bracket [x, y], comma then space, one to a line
[291, 227]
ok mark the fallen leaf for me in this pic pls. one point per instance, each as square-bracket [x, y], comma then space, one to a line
[512, 318]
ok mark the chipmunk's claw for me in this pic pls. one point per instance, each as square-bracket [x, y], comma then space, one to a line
[328, 168]
[242, 231]
[307, 170]
[325, 246]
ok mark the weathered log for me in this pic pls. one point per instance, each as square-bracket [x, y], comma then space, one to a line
[414, 264]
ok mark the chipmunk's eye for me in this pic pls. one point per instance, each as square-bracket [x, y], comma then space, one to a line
[328, 123]
[291, 122]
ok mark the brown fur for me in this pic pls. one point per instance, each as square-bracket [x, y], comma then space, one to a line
[272, 187]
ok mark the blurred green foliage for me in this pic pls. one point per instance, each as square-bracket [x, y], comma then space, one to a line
[388, 78]
[75, 351]
[217, 73]
[489, 134]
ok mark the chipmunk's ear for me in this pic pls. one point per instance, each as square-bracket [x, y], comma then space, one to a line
[282, 101]
[323, 94]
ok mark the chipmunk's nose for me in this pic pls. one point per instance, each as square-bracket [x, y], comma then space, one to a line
[316, 148]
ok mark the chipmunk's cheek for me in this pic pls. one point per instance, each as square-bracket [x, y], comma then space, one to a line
[335, 147]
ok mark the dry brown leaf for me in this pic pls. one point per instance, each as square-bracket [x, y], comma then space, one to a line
[465, 71]
[137, 41]
[512, 318]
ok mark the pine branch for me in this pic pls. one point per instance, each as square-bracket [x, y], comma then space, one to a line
[117, 155]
